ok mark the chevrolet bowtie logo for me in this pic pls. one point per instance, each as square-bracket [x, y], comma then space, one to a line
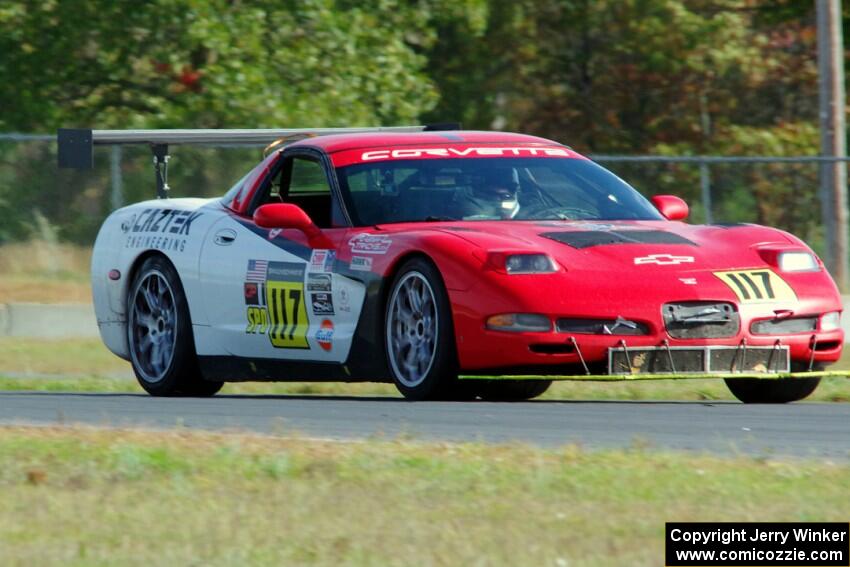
[664, 259]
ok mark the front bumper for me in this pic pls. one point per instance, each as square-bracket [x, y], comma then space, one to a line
[483, 350]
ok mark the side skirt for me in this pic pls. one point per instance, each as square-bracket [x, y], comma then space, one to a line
[237, 369]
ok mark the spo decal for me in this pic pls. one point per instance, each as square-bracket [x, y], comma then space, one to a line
[664, 260]
[688, 281]
[361, 263]
[258, 321]
[757, 286]
[485, 151]
[325, 335]
[364, 243]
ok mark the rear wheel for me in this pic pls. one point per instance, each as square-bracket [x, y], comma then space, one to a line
[419, 337]
[159, 333]
[768, 391]
[512, 390]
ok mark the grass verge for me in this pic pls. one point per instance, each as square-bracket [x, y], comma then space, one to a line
[85, 365]
[80, 496]
[44, 272]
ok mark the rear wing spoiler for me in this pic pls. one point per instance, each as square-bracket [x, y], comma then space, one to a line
[76, 145]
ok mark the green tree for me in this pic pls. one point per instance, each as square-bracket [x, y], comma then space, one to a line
[199, 63]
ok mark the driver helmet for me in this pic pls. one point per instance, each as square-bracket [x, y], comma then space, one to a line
[499, 185]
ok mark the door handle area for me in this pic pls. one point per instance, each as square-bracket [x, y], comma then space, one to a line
[224, 237]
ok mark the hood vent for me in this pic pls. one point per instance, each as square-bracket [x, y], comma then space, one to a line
[585, 239]
[701, 320]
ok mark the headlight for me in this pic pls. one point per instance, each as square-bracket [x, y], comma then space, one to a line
[830, 321]
[797, 262]
[520, 322]
[529, 264]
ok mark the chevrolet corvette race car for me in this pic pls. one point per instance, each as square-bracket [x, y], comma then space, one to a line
[455, 264]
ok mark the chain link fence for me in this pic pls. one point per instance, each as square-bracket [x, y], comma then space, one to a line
[35, 195]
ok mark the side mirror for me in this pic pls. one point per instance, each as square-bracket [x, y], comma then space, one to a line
[672, 207]
[284, 215]
[287, 215]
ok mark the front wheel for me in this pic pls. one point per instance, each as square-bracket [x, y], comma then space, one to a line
[769, 391]
[159, 333]
[419, 337]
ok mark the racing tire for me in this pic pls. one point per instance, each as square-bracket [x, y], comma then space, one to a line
[767, 391]
[159, 334]
[512, 390]
[419, 334]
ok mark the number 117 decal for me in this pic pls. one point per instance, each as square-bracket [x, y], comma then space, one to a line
[276, 305]
[757, 286]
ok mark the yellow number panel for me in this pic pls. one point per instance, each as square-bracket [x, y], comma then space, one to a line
[288, 314]
[757, 286]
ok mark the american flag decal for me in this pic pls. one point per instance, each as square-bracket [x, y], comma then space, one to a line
[257, 271]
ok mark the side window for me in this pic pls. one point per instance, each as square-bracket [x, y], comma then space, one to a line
[308, 176]
[304, 183]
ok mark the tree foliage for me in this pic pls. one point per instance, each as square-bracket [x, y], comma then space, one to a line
[200, 63]
[605, 76]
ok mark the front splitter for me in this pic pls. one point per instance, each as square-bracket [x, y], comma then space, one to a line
[679, 376]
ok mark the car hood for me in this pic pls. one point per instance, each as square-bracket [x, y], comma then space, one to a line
[632, 245]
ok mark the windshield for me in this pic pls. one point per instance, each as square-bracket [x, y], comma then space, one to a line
[488, 189]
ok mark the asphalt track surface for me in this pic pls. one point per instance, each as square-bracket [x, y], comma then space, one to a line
[819, 430]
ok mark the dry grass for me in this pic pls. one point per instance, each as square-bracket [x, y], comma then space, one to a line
[83, 496]
[60, 357]
[43, 272]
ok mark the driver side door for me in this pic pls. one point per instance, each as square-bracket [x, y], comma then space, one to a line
[274, 293]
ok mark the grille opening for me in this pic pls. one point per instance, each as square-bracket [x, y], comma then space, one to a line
[784, 326]
[701, 320]
[552, 348]
[617, 326]
[827, 345]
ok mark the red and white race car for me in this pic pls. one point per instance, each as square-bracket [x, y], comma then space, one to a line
[421, 256]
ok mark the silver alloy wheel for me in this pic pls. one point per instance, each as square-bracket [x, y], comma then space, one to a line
[412, 329]
[153, 326]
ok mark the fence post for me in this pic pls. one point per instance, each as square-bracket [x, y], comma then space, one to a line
[116, 197]
[705, 190]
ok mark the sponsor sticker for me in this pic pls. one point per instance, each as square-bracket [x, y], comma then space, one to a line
[252, 293]
[322, 303]
[322, 260]
[757, 286]
[319, 282]
[258, 321]
[160, 229]
[344, 300]
[325, 335]
[361, 263]
[274, 232]
[364, 243]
